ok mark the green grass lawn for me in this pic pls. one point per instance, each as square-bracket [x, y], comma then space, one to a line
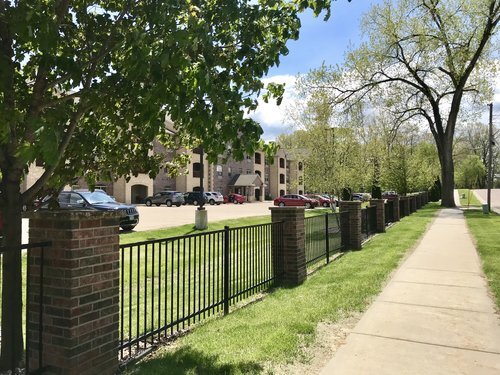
[272, 331]
[486, 232]
[469, 200]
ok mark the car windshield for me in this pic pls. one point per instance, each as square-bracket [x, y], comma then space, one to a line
[97, 197]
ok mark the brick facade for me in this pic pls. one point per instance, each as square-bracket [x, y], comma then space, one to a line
[80, 291]
[396, 216]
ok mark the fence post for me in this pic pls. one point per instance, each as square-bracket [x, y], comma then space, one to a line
[226, 270]
[327, 239]
[413, 204]
[81, 291]
[351, 224]
[290, 266]
[380, 210]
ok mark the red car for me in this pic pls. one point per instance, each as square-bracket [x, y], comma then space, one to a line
[236, 198]
[322, 201]
[295, 200]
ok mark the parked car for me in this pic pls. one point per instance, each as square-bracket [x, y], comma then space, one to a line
[194, 198]
[165, 197]
[236, 198]
[389, 194]
[323, 200]
[99, 200]
[295, 200]
[214, 197]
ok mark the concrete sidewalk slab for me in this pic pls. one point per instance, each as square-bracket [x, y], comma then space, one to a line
[435, 316]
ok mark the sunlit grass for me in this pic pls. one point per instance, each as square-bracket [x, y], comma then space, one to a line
[272, 331]
[468, 198]
[486, 232]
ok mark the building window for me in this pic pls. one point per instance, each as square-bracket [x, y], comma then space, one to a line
[197, 150]
[282, 163]
[196, 170]
[301, 180]
[258, 158]
[39, 162]
[259, 173]
[218, 168]
[300, 165]
[241, 170]
[282, 178]
[282, 192]
[301, 192]
[229, 171]
[266, 177]
[249, 171]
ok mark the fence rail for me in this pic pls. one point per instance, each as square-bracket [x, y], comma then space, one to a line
[322, 237]
[32, 328]
[169, 284]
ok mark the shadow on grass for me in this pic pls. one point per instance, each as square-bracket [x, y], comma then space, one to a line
[189, 361]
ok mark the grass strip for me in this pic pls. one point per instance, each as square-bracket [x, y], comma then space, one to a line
[272, 331]
[469, 198]
[485, 231]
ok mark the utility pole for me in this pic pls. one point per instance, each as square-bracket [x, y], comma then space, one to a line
[490, 156]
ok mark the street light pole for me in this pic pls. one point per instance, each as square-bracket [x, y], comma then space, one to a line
[490, 156]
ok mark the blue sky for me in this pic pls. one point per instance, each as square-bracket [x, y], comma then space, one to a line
[319, 42]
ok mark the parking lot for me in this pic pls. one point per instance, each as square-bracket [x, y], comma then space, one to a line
[164, 217]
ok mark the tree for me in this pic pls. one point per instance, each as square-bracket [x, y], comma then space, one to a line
[85, 88]
[424, 58]
[471, 172]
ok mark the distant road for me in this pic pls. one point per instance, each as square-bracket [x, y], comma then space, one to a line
[482, 195]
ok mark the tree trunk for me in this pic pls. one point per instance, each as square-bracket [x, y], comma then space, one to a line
[447, 173]
[11, 355]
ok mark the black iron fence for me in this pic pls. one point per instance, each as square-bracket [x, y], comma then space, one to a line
[322, 237]
[389, 212]
[169, 284]
[368, 221]
[32, 314]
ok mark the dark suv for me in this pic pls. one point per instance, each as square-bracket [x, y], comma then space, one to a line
[194, 197]
[99, 200]
[165, 197]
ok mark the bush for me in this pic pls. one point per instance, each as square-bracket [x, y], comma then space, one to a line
[435, 191]
[376, 192]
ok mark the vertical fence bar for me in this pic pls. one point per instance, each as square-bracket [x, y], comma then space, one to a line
[226, 270]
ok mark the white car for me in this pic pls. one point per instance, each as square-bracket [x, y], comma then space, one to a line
[214, 197]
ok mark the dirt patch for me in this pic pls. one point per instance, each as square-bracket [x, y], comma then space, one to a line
[314, 357]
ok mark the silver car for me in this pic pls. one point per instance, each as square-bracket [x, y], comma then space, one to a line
[214, 197]
[169, 198]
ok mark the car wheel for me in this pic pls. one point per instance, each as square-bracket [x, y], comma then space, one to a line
[282, 204]
[169, 203]
[195, 203]
[128, 227]
[218, 203]
[325, 204]
[178, 204]
[148, 202]
[212, 202]
[308, 205]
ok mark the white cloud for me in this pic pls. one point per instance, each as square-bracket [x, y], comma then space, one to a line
[273, 118]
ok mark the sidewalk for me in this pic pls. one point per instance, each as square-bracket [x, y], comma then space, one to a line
[434, 317]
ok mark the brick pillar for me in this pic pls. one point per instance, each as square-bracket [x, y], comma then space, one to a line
[80, 292]
[351, 228]
[380, 209]
[290, 266]
[396, 215]
[406, 206]
[418, 200]
[413, 204]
